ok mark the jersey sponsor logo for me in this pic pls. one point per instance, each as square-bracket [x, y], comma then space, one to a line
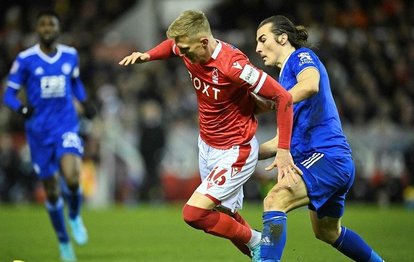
[217, 178]
[215, 76]
[39, 71]
[52, 86]
[250, 74]
[305, 58]
[72, 140]
[206, 89]
[237, 65]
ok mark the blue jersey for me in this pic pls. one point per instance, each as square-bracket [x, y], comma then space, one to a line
[316, 123]
[51, 83]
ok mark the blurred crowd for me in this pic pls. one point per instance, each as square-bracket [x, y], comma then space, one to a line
[147, 126]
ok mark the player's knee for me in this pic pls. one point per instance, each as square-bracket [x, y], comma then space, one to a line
[52, 197]
[277, 199]
[196, 217]
[72, 181]
[327, 235]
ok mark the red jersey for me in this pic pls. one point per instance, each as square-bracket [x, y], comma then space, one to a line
[223, 86]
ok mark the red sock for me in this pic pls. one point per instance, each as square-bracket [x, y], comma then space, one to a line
[240, 245]
[241, 220]
[216, 223]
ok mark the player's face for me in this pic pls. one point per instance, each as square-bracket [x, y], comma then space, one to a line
[267, 47]
[192, 49]
[47, 28]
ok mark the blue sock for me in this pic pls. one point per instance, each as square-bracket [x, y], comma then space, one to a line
[273, 235]
[354, 247]
[58, 221]
[73, 200]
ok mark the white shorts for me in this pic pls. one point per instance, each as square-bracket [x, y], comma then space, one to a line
[223, 172]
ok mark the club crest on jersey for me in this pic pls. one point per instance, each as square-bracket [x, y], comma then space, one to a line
[66, 68]
[215, 76]
[237, 65]
[305, 58]
[39, 71]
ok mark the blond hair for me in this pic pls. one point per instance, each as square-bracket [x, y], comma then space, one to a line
[189, 24]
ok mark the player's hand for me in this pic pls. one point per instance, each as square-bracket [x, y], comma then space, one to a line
[25, 111]
[288, 172]
[135, 57]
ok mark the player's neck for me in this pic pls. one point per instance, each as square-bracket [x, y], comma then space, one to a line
[48, 48]
[288, 51]
[212, 44]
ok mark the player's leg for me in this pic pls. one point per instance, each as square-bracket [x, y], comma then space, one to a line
[349, 243]
[278, 202]
[55, 209]
[70, 168]
[199, 213]
[222, 185]
[240, 245]
[69, 153]
[46, 169]
[337, 177]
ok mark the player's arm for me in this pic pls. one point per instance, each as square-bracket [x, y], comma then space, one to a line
[164, 50]
[88, 109]
[78, 89]
[307, 84]
[268, 148]
[262, 105]
[10, 100]
[269, 88]
[16, 77]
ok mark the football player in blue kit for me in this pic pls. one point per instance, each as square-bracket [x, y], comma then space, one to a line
[49, 73]
[319, 148]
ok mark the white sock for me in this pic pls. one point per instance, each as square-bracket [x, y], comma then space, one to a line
[255, 239]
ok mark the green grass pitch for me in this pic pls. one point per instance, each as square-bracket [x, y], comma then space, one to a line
[157, 233]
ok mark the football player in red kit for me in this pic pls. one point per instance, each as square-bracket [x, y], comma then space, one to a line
[224, 80]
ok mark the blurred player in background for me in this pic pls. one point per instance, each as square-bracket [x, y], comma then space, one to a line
[49, 72]
[319, 147]
[223, 79]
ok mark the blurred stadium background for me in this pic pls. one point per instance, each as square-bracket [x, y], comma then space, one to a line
[367, 47]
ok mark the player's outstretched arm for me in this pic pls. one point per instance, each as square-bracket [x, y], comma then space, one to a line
[135, 58]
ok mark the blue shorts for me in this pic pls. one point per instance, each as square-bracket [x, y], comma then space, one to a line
[46, 153]
[328, 180]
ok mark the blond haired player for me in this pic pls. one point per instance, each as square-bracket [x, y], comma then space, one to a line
[223, 79]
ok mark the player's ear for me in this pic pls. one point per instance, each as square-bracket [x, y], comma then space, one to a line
[204, 42]
[282, 39]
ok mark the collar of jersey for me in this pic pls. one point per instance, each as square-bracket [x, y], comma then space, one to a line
[217, 50]
[46, 58]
